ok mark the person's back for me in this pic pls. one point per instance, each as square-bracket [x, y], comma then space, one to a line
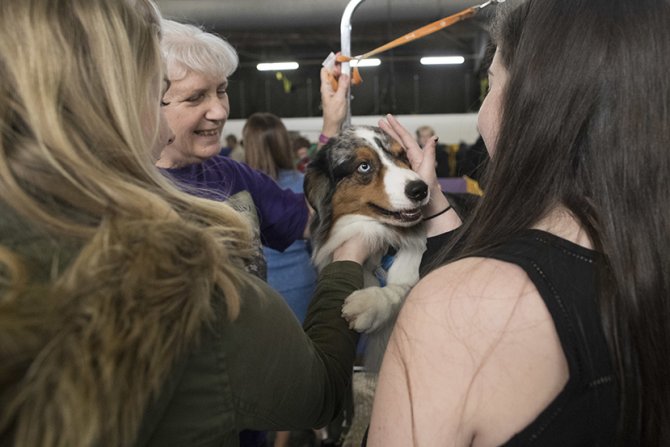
[586, 409]
[126, 316]
[532, 297]
[291, 272]
[534, 284]
[86, 302]
[558, 339]
[269, 150]
[160, 366]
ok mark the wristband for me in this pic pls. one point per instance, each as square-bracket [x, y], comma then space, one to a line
[437, 214]
[323, 139]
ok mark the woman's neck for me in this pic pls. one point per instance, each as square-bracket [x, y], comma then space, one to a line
[172, 159]
[560, 222]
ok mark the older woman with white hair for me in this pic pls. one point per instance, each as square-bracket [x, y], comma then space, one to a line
[196, 105]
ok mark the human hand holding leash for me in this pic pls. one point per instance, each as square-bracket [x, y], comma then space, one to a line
[333, 101]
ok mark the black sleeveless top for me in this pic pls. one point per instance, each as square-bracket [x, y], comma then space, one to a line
[585, 412]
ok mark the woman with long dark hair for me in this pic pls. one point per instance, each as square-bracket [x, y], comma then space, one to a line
[545, 320]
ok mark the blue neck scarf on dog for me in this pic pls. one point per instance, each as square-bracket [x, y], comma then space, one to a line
[381, 272]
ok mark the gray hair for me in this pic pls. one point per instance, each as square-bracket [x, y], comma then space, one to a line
[189, 48]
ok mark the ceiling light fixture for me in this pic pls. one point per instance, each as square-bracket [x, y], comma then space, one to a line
[275, 66]
[372, 62]
[442, 60]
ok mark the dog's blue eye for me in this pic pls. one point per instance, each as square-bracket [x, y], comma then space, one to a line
[364, 168]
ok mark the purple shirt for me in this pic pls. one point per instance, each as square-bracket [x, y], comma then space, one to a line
[282, 214]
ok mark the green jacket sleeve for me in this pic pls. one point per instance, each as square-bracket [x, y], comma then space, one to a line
[293, 378]
[261, 371]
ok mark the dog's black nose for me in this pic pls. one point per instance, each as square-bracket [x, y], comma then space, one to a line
[416, 190]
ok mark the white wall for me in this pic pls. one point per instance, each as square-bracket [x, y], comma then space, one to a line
[450, 128]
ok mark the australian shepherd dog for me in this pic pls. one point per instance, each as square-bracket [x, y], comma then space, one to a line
[360, 183]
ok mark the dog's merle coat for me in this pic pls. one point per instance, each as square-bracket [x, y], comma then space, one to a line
[360, 183]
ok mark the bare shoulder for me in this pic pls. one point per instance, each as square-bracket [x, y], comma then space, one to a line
[483, 277]
[473, 301]
[466, 291]
[483, 331]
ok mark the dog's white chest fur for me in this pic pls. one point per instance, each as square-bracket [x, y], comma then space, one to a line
[373, 310]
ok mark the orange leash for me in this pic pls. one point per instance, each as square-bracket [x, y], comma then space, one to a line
[416, 34]
[409, 37]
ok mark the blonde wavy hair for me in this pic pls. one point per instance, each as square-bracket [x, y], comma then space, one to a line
[80, 87]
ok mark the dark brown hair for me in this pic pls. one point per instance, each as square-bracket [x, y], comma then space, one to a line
[586, 124]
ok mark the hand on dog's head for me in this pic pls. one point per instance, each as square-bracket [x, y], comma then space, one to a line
[362, 171]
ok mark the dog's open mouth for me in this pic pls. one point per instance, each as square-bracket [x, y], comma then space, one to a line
[403, 216]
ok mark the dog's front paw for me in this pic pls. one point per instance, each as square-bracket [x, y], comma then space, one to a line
[367, 310]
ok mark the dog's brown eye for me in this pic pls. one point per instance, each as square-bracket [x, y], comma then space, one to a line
[364, 167]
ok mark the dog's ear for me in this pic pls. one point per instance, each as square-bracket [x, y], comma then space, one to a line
[319, 187]
[318, 178]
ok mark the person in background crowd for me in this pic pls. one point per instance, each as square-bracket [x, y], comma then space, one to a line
[268, 150]
[546, 320]
[301, 147]
[233, 148]
[472, 159]
[442, 168]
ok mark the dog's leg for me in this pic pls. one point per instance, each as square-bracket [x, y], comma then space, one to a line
[370, 308]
